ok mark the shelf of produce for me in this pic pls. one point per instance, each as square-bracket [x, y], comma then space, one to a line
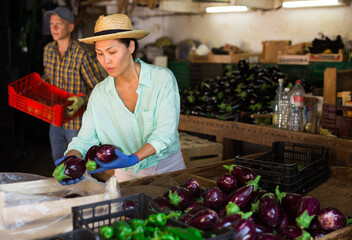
[340, 149]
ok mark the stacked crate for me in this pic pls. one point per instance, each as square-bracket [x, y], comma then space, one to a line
[198, 151]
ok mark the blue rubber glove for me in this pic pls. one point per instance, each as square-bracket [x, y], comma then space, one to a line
[60, 160]
[69, 182]
[121, 161]
[72, 181]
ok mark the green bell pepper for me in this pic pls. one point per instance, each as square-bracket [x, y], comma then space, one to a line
[122, 230]
[107, 232]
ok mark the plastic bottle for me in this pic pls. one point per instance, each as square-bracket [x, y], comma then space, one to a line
[285, 110]
[277, 104]
[297, 104]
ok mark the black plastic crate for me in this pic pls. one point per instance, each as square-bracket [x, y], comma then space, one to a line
[95, 215]
[79, 234]
[293, 167]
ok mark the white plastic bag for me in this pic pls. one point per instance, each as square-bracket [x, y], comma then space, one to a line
[38, 209]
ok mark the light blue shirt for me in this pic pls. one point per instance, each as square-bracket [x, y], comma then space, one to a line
[154, 121]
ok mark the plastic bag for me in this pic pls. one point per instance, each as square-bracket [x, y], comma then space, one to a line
[13, 177]
[38, 209]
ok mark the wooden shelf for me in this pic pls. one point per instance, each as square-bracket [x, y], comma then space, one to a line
[340, 150]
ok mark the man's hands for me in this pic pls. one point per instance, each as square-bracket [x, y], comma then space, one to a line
[78, 102]
[121, 161]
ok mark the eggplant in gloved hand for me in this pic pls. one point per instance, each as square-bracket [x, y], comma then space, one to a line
[70, 170]
[91, 154]
[113, 158]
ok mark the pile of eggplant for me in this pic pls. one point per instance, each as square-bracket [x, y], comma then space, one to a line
[74, 167]
[236, 95]
[237, 203]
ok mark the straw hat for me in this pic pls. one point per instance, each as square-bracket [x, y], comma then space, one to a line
[113, 27]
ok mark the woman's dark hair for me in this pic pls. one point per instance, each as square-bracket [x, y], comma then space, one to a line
[126, 42]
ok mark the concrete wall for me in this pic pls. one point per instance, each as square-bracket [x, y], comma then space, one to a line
[248, 30]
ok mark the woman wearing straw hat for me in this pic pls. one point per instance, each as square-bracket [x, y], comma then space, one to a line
[136, 107]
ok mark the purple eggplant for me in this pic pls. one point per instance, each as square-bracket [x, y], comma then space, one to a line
[193, 186]
[190, 212]
[185, 218]
[269, 236]
[331, 219]
[262, 228]
[270, 210]
[256, 199]
[314, 224]
[294, 232]
[242, 173]
[308, 208]
[180, 198]
[71, 167]
[91, 154]
[284, 221]
[226, 221]
[289, 202]
[244, 194]
[204, 219]
[317, 233]
[73, 195]
[222, 211]
[164, 203]
[167, 192]
[106, 152]
[227, 182]
[195, 204]
[244, 229]
[214, 198]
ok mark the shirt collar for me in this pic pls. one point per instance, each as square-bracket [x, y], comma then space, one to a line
[69, 48]
[144, 76]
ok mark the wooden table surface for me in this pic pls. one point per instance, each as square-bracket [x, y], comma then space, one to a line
[340, 149]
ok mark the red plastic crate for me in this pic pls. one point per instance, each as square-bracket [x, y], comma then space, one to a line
[334, 120]
[40, 99]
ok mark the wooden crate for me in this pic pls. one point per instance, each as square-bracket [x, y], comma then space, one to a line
[327, 57]
[211, 58]
[336, 81]
[197, 151]
[293, 59]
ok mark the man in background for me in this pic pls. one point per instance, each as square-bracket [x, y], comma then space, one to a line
[69, 66]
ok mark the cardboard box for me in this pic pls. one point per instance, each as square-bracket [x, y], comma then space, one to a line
[271, 50]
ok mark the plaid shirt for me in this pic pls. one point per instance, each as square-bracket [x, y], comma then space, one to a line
[77, 72]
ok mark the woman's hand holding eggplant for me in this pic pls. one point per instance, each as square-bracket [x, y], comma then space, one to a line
[71, 181]
[122, 160]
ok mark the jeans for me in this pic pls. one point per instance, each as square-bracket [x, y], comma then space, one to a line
[59, 140]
